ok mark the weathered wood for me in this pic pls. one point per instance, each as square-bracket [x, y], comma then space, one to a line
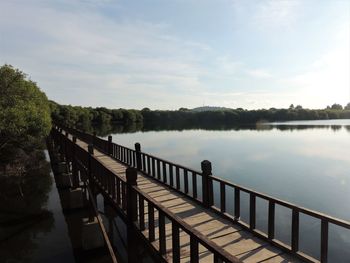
[171, 175]
[295, 230]
[142, 213]
[324, 241]
[148, 165]
[175, 242]
[110, 145]
[186, 180]
[164, 173]
[271, 220]
[237, 204]
[194, 249]
[222, 198]
[151, 234]
[206, 183]
[177, 172]
[131, 196]
[159, 176]
[138, 156]
[194, 185]
[252, 213]
[153, 167]
[162, 243]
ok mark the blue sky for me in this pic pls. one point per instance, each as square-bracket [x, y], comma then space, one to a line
[181, 53]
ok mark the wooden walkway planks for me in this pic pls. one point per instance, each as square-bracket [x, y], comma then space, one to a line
[229, 236]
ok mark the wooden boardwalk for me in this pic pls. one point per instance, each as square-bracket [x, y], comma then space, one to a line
[226, 234]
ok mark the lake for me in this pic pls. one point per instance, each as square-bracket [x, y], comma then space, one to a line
[304, 162]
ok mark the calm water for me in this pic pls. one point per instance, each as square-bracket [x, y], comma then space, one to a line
[33, 228]
[305, 162]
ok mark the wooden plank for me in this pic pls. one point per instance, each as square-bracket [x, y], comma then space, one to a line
[282, 258]
[262, 253]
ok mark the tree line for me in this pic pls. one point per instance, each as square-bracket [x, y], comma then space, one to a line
[80, 117]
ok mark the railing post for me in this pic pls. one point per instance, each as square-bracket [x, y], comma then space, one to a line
[324, 241]
[74, 164]
[295, 230]
[131, 199]
[93, 138]
[110, 145]
[90, 184]
[271, 220]
[207, 184]
[138, 156]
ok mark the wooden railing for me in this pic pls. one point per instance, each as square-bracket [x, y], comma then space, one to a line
[199, 187]
[131, 203]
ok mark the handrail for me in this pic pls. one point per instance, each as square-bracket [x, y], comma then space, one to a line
[164, 171]
[319, 215]
[103, 175]
[202, 239]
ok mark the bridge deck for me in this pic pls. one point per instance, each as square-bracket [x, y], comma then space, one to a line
[223, 232]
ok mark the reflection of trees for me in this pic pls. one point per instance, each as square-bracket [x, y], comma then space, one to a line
[22, 218]
[336, 127]
[347, 127]
[104, 130]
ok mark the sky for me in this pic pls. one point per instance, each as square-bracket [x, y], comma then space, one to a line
[181, 53]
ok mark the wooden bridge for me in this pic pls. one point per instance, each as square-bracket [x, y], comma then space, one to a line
[169, 208]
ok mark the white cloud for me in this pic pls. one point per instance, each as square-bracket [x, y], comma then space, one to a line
[276, 13]
[80, 55]
[259, 73]
[86, 52]
[267, 14]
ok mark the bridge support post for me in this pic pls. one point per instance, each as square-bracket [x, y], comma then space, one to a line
[138, 156]
[207, 183]
[110, 145]
[131, 177]
[91, 236]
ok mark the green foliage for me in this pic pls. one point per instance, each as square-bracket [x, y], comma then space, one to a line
[24, 109]
[71, 116]
[25, 120]
[83, 117]
[336, 106]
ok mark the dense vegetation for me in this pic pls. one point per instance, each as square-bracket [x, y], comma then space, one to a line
[24, 123]
[81, 117]
[25, 180]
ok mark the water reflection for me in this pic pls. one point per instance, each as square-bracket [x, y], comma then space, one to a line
[23, 218]
[306, 163]
[106, 129]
